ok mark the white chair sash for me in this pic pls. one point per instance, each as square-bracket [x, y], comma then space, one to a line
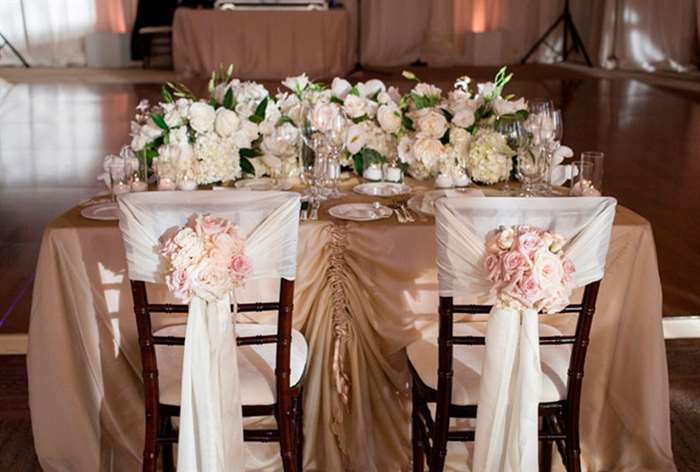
[211, 424]
[510, 389]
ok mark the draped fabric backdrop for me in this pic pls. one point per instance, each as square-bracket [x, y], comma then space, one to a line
[626, 34]
[52, 32]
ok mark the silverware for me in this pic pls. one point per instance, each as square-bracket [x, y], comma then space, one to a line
[399, 217]
[407, 214]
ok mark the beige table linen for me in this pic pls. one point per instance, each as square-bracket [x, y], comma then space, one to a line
[263, 44]
[364, 292]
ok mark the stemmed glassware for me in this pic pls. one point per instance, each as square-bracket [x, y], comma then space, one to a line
[518, 140]
[545, 126]
[335, 144]
[285, 138]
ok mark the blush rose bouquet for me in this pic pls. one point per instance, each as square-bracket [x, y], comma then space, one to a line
[529, 269]
[205, 258]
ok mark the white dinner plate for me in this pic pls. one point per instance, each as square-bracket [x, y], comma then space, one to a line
[101, 212]
[360, 212]
[382, 189]
[425, 203]
[262, 184]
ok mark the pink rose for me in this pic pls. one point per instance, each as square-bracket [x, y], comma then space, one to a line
[240, 265]
[531, 291]
[514, 261]
[569, 268]
[211, 282]
[528, 243]
[211, 225]
[179, 283]
[491, 263]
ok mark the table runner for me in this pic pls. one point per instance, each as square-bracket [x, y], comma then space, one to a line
[364, 291]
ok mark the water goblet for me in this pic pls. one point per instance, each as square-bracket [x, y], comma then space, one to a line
[517, 138]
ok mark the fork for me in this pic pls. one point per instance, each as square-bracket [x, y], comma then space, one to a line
[407, 214]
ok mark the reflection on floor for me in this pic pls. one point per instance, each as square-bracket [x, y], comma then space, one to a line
[53, 136]
[17, 452]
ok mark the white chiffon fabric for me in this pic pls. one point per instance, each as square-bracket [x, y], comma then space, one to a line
[511, 380]
[211, 425]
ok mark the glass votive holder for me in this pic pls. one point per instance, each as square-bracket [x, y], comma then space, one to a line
[461, 179]
[444, 180]
[393, 173]
[582, 184]
[372, 172]
[597, 161]
[119, 177]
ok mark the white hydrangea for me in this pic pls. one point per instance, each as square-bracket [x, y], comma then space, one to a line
[490, 158]
[217, 159]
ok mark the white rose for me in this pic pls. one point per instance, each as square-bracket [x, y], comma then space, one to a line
[463, 118]
[296, 84]
[250, 129]
[172, 115]
[356, 138]
[432, 124]
[505, 238]
[371, 88]
[202, 117]
[427, 90]
[460, 140]
[389, 118]
[355, 106]
[548, 271]
[340, 88]
[250, 92]
[429, 151]
[241, 140]
[405, 150]
[245, 109]
[227, 122]
[323, 116]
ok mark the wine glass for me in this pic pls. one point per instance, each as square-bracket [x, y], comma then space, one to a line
[285, 139]
[517, 138]
[335, 143]
[530, 169]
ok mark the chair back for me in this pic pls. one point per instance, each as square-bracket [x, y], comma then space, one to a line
[462, 226]
[270, 221]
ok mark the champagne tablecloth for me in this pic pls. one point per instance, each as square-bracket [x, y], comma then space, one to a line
[364, 291]
[263, 44]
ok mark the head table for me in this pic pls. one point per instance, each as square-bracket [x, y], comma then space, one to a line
[364, 291]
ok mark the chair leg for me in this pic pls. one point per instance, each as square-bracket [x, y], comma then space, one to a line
[168, 457]
[284, 421]
[150, 447]
[439, 449]
[298, 419]
[417, 434]
[545, 456]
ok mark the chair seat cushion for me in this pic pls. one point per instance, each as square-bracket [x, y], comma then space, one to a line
[256, 364]
[467, 365]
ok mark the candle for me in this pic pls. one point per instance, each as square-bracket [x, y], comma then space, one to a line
[188, 185]
[443, 181]
[139, 186]
[120, 187]
[166, 184]
[461, 180]
[373, 173]
[392, 174]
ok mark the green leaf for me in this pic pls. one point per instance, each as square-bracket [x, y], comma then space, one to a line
[262, 107]
[255, 119]
[159, 121]
[360, 119]
[228, 99]
[407, 123]
[246, 166]
[448, 115]
[283, 120]
[358, 163]
[249, 153]
[370, 155]
[335, 99]
[213, 103]
[522, 114]
[167, 96]
[354, 91]
[421, 101]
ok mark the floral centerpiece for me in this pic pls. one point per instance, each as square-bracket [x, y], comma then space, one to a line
[459, 130]
[529, 269]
